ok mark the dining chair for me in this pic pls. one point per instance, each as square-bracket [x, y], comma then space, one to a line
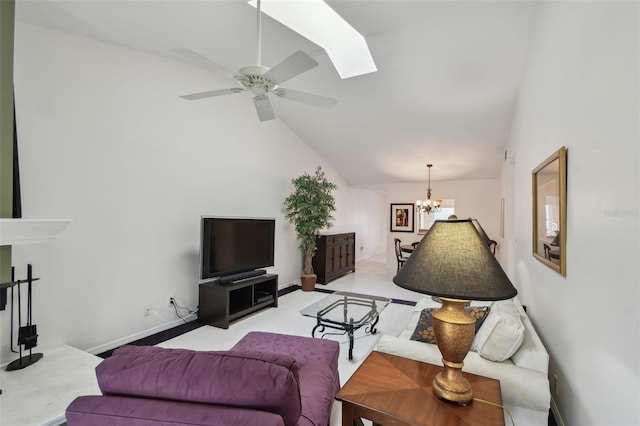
[401, 259]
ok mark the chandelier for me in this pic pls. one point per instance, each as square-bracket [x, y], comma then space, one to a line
[428, 205]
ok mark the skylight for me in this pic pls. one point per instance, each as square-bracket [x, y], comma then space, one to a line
[316, 21]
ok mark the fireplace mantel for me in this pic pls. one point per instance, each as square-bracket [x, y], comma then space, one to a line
[28, 231]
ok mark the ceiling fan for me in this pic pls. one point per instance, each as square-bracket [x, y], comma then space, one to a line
[262, 81]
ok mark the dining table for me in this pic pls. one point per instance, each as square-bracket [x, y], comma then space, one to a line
[407, 248]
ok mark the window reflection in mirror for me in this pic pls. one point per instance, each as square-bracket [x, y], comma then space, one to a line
[549, 198]
[425, 220]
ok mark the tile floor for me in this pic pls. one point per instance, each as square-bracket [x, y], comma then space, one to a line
[371, 277]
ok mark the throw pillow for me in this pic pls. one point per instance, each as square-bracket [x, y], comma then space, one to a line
[424, 329]
[502, 333]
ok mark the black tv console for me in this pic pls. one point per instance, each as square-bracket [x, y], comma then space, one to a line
[218, 304]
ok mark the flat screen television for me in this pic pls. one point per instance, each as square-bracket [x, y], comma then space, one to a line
[232, 246]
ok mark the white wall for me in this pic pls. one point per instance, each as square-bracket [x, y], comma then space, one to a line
[105, 140]
[369, 221]
[581, 91]
[479, 199]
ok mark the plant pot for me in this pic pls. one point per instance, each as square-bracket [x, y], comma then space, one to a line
[308, 282]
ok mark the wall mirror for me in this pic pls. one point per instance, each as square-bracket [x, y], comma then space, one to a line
[550, 211]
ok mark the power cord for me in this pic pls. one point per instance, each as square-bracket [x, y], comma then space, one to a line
[494, 404]
[175, 305]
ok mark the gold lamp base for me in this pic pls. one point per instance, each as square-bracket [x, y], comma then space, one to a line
[454, 331]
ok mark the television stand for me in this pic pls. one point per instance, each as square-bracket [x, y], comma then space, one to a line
[218, 305]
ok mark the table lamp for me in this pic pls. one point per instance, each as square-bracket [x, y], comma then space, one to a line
[453, 263]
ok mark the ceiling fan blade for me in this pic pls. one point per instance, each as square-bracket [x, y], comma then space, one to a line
[211, 93]
[201, 60]
[294, 65]
[306, 98]
[263, 108]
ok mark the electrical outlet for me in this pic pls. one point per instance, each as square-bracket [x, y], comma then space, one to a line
[555, 384]
[147, 310]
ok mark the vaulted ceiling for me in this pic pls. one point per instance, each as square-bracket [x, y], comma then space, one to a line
[444, 93]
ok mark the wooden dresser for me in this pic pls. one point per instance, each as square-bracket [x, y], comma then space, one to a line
[335, 256]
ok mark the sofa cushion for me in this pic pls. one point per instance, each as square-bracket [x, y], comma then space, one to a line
[259, 380]
[125, 410]
[303, 349]
[501, 334]
[318, 363]
[424, 331]
[317, 390]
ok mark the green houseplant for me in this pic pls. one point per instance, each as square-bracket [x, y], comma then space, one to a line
[309, 209]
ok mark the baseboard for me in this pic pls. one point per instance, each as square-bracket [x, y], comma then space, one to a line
[287, 288]
[133, 337]
[556, 413]
[106, 347]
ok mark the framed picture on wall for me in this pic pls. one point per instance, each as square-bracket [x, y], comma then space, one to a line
[402, 218]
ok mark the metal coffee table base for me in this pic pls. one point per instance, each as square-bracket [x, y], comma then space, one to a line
[371, 319]
[346, 311]
[347, 328]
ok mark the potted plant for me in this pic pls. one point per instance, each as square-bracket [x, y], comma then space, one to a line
[309, 209]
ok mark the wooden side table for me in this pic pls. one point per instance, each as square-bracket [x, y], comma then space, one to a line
[393, 391]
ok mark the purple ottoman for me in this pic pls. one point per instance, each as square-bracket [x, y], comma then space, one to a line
[317, 360]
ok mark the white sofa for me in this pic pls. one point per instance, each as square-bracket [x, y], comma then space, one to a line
[523, 375]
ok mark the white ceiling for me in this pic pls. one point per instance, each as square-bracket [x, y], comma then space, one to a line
[445, 91]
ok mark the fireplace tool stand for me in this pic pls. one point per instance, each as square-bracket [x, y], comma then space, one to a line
[28, 333]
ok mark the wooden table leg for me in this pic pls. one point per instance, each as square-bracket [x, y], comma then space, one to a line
[347, 416]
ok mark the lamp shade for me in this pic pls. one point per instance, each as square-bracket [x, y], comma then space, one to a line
[480, 230]
[453, 261]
